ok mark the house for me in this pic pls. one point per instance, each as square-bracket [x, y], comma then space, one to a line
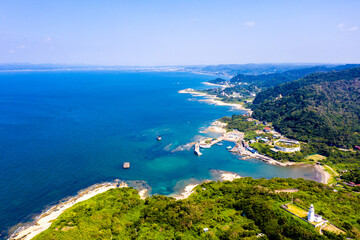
[267, 129]
[252, 141]
[250, 119]
[258, 131]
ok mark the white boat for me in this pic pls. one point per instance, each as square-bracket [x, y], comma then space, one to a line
[205, 145]
[229, 147]
[219, 143]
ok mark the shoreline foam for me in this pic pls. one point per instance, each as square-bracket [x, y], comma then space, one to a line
[214, 100]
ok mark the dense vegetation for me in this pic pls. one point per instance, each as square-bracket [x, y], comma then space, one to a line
[318, 108]
[218, 81]
[335, 157]
[230, 210]
[352, 176]
[243, 87]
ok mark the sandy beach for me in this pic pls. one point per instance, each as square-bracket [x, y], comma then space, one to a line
[214, 100]
[216, 127]
[221, 175]
[188, 190]
[217, 175]
[44, 220]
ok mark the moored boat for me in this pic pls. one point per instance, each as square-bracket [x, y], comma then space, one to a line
[205, 145]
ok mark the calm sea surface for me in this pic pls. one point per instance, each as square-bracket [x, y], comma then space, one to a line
[61, 132]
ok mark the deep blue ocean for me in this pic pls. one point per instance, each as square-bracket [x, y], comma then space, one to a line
[62, 131]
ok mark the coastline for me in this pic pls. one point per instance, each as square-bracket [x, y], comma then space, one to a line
[214, 100]
[216, 175]
[44, 220]
[219, 127]
[325, 176]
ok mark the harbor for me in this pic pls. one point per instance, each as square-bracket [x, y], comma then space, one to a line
[233, 136]
[241, 147]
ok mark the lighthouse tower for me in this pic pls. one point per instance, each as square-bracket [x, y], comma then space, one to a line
[311, 214]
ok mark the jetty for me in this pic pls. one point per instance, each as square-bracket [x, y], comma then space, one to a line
[126, 165]
[197, 149]
[233, 136]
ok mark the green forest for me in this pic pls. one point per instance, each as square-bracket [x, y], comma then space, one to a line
[322, 107]
[229, 210]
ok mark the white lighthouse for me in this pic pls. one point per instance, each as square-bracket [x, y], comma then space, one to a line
[312, 217]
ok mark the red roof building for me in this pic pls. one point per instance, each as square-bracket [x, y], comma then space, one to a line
[267, 129]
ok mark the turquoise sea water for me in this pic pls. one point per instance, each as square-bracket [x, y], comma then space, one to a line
[61, 132]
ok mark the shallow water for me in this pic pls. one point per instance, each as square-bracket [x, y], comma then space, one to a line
[64, 131]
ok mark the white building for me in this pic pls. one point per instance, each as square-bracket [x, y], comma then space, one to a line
[312, 216]
[294, 146]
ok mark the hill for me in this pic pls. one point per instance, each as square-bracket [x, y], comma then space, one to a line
[229, 210]
[274, 79]
[322, 107]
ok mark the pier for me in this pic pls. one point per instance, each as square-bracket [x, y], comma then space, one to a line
[197, 149]
[233, 136]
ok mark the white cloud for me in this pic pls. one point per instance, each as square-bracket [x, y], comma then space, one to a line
[194, 19]
[250, 24]
[341, 25]
[48, 39]
[353, 28]
[12, 51]
[21, 47]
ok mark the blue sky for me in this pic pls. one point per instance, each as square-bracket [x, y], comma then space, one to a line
[179, 32]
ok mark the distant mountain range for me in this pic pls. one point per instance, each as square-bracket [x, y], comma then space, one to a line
[227, 70]
[270, 80]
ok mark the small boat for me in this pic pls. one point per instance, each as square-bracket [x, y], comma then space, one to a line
[229, 147]
[158, 138]
[126, 165]
[219, 143]
[205, 145]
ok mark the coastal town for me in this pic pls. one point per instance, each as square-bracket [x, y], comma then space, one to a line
[262, 141]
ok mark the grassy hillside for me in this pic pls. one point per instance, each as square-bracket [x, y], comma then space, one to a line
[320, 108]
[230, 210]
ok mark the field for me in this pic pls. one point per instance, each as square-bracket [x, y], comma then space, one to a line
[297, 211]
[332, 228]
[316, 157]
